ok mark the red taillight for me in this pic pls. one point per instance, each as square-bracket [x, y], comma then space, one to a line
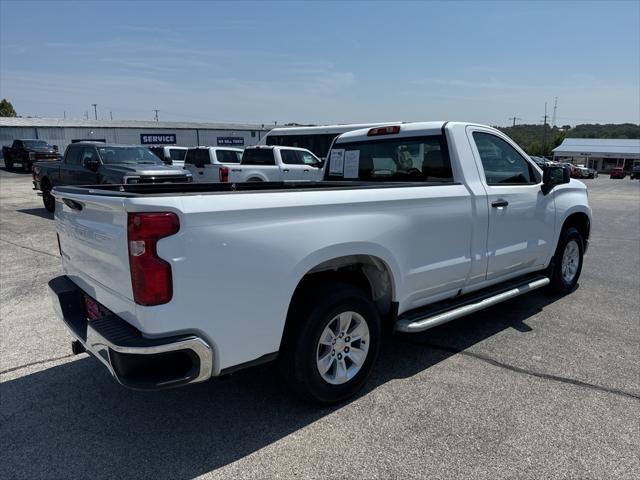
[150, 275]
[383, 130]
[223, 174]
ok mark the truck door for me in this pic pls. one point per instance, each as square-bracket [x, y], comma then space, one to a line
[71, 164]
[521, 217]
[311, 170]
[292, 165]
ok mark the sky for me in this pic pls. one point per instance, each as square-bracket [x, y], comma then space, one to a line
[323, 62]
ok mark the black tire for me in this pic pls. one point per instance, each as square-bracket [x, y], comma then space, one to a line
[8, 164]
[26, 166]
[48, 200]
[559, 282]
[311, 314]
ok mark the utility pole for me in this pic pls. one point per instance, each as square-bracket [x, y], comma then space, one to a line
[95, 110]
[514, 120]
[111, 115]
[555, 107]
[156, 110]
[64, 114]
[86, 115]
[544, 130]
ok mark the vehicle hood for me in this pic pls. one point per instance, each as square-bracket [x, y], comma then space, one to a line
[144, 169]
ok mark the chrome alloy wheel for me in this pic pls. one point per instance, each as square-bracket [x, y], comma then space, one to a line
[570, 261]
[342, 348]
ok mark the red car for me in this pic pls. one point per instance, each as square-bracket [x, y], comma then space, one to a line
[618, 172]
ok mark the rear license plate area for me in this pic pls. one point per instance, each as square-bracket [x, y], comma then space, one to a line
[93, 309]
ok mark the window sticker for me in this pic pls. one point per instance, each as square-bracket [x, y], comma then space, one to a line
[351, 163]
[336, 165]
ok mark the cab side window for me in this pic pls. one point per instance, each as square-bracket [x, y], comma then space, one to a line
[502, 164]
[89, 153]
[290, 157]
[72, 157]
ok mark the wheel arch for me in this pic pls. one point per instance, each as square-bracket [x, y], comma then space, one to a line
[581, 222]
[370, 272]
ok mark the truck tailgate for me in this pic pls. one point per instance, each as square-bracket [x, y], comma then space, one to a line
[93, 243]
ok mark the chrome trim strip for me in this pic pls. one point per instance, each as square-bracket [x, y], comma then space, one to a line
[435, 320]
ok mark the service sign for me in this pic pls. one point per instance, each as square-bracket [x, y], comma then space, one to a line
[231, 141]
[157, 138]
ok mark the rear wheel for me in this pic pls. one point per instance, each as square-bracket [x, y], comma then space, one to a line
[566, 265]
[332, 346]
[48, 200]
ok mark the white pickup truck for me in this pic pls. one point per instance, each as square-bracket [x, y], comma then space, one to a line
[211, 164]
[263, 163]
[415, 225]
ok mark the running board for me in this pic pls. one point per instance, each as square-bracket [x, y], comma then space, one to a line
[434, 316]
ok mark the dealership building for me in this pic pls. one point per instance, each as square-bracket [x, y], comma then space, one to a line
[601, 154]
[62, 132]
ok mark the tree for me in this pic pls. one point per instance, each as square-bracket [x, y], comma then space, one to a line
[6, 109]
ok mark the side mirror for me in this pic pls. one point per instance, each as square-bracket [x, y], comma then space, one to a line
[55, 147]
[553, 175]
[92, 165]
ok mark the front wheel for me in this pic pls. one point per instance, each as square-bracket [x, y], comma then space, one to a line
[566, 264]
[332, 346]
[8, 164]
[26, 166]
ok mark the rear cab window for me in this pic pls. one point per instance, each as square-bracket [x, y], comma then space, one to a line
[177, 154]
[258, 156]
[228, 156]
[197, 156]
[410, 159]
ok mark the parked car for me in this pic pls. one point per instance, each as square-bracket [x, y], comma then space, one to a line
[211, 164]
[26, 152]
[267, 163]
[635, 172]
[415, 225]
[540, 161]
[93, 163]
[593, 173]
[618, 172]
[171, 155]
[583, 172]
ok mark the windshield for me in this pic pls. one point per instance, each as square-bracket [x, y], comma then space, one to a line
[36, 144]
[128, 155]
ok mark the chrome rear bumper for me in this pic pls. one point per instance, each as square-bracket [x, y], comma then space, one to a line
[134, 360]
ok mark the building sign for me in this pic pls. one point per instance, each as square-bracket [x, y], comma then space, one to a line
[231, 141]
[157, 138]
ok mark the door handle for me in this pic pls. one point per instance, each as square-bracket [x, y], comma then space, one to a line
[306, 170]
[200, 173]
[499, 203]
[285, 169]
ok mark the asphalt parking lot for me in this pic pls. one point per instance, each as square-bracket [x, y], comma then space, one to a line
[537, 387]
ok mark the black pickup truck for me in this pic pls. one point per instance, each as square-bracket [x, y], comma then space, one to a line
[26, 152]
[93, 163]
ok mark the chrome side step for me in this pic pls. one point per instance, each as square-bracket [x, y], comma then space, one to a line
[433, 317]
